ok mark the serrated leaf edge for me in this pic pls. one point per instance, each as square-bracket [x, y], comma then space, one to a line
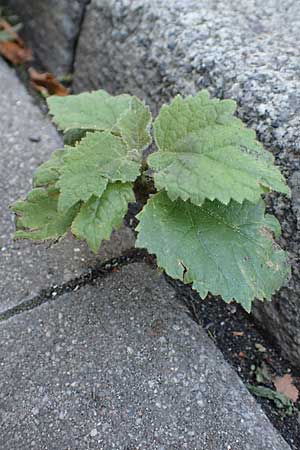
[247, 305]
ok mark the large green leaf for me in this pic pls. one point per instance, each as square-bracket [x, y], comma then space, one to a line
[207, 153]
[226, 250]
[99, 157]
[89, 111]
[38, 218]
[98, 111]
[99, 216]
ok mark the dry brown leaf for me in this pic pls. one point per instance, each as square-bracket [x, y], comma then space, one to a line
[238, 333]
[242, 355]
[285, 386]
[14, 53]
[14, 50]
[46, 83]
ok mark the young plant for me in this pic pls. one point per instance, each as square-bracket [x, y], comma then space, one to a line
[206, 223]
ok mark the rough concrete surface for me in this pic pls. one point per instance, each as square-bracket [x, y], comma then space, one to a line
[244, 49]
[51, 28]
[25, 268]
[120, 365]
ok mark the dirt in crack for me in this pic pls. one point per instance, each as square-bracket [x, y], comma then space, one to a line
[251, 353]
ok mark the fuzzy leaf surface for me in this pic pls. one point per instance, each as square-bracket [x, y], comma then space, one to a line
[207, 153]
[79, 185]
[226, 250]
[98, 158]
[38, 218]
[99, 216]
[134, 126]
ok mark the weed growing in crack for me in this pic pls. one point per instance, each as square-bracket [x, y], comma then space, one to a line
[203, 216]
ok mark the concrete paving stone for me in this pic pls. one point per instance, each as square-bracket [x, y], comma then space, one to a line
[242, 49]
[51, 28]
[121, 365]
[25, 267]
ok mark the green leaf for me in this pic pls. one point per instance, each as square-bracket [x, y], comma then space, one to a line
[207, 153]
[38, 218]
[99, 216]
[273, 224]
[134, 126]
[49, 172]
[79, 185]
[280, 400]
[88, 111]
[263, 374]
[226, 250]
[99, 157]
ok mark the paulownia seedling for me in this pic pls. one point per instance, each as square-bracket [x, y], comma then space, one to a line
[206, 222]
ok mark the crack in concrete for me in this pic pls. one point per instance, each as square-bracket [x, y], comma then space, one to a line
[87, 278]
[76, 40]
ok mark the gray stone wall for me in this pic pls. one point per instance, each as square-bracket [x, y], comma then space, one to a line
[244, 49]
[51, 27]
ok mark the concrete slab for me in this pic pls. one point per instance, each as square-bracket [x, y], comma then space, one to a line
[27, 139]
[120, 365]
[243, 49]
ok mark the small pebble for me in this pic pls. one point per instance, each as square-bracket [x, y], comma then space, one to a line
[35, 411]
